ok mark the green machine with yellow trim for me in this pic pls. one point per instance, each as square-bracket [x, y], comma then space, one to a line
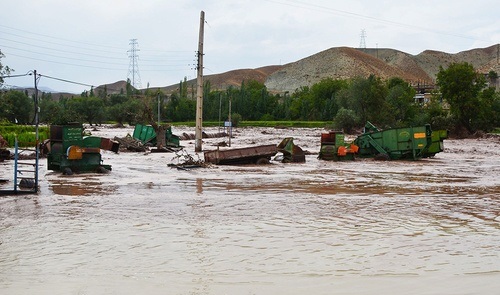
[70, 152]
[400, 143]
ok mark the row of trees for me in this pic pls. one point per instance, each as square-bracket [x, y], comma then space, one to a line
[463, 104]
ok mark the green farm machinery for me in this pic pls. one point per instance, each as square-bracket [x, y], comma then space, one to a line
[147, 135]
[334, 147]
[70, 152]
[410, 143]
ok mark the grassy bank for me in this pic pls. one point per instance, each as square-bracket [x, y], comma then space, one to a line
[26, 135]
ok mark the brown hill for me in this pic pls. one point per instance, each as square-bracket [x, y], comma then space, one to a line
[113, 88]
[230, 78]
[345, 63]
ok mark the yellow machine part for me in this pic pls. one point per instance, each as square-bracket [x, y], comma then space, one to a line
[76, 153]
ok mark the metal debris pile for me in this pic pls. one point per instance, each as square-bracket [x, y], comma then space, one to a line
[187, 161]
[128, 143]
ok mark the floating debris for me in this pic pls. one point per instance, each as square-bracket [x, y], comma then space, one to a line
[191, 136]
[128, 143]
[186, 161]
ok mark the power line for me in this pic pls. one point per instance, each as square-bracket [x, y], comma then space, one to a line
[16, 76]
[152, 63]
[65, 63]
[119, 49]
[324, 9]
[62, 39]
[59, 56]
[58, 50]
[67, 81]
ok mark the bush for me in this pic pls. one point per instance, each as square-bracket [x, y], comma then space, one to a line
[26, 136]
[267, 117]
[235, 119]
[345, 119]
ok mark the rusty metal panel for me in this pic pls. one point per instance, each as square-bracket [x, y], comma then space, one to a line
[240, 155]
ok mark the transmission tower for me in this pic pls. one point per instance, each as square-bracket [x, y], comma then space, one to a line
[133, 67]
[362, 42]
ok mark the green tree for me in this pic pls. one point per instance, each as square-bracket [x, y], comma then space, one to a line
[489, 110]
[367, 98]
[401, 102]
[345, 119]
[4, 70]
[183, 88]
[461, 86]
[16, 107]
[323, 96]
[53, 112]
[86, 109]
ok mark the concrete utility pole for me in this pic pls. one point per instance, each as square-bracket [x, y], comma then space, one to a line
[199, 92]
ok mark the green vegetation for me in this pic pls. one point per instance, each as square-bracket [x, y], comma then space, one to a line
[25, 134]
[472, 105]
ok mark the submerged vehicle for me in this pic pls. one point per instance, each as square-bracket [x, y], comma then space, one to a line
[411, 143]
[334, 147]
[147, 135]
[70, 152]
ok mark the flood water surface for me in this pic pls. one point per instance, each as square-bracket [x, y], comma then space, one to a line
[362, 227]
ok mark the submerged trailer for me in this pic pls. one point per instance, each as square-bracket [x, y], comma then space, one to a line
[249, 155]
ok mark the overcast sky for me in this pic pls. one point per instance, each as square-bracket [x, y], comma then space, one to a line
[87, 41]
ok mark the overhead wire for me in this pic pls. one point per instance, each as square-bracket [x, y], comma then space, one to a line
[67, 81]
[151, 63]
[62, 39]
[16, 76]
[325, 9]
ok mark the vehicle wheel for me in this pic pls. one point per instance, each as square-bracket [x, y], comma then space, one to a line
[262, 161]
[382, 157]
[102, 170]
[67, 171]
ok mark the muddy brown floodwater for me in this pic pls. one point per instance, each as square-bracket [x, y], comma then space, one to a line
[363, 227]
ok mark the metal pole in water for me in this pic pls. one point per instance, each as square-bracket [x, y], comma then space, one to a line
[16, 157]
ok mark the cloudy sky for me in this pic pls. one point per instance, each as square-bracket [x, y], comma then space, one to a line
[88, 41]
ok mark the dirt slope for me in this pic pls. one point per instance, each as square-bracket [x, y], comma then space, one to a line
[345, 63]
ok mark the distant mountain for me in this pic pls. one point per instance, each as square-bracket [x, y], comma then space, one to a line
[345, 63]
[112, 88]
[230, 78]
